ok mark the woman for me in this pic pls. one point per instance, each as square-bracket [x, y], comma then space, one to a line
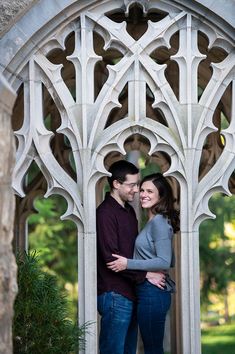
[153, 252]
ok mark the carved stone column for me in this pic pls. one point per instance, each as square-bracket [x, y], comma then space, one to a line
[8, 286]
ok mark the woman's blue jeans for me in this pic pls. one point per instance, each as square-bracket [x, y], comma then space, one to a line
[153, 304]
[118, 330]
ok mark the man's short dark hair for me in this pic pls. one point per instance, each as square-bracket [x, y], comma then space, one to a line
[120, 169]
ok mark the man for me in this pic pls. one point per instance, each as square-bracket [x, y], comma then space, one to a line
[117, 228]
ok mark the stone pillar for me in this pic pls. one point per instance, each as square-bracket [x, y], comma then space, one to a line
[8, 285]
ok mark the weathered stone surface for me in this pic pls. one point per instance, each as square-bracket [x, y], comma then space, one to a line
[8, 286]
[10, 10]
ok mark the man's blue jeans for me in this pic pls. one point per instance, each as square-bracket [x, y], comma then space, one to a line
[118, 330]
[152, 307]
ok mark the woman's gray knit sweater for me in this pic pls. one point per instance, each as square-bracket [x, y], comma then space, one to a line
[153, 246]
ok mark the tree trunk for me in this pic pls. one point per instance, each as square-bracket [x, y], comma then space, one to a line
[226, 307]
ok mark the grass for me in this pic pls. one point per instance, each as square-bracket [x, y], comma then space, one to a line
[219, 339]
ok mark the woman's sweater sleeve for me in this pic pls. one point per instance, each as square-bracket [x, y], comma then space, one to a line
[160, 256]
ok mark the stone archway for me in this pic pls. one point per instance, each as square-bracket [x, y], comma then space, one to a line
[137, 94]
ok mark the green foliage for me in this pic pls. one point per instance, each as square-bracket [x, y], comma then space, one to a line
[56, 239]
[41, 323]
[56, 242]
[149, 169]
[216, 259]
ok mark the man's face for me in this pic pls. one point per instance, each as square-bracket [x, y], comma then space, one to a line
[128, 189]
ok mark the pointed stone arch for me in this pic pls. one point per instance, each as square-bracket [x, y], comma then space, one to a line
[188, 120]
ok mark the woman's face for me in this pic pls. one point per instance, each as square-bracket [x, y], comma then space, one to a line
[149, 195]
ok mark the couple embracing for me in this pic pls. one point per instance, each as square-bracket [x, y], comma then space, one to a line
[134, 288]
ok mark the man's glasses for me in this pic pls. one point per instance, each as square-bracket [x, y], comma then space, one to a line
[130, 185]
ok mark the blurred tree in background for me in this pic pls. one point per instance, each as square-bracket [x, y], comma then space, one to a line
[56, 244]
[217, 248]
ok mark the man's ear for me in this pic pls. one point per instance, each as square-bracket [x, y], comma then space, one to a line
[116, 184]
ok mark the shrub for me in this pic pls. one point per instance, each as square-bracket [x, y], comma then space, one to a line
[41, 323]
